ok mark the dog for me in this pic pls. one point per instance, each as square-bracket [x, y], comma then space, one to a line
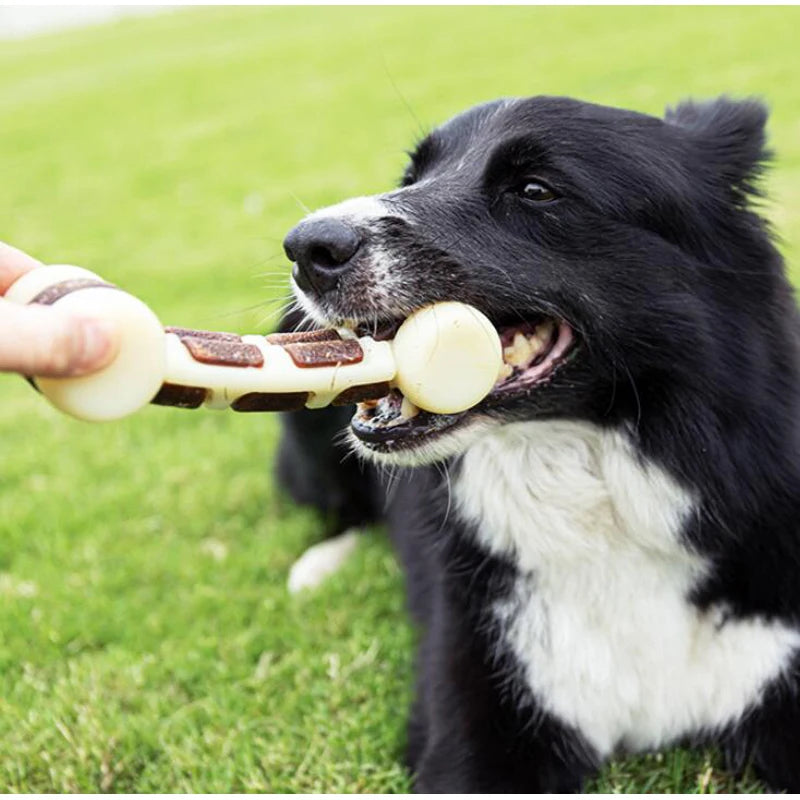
[603, 556]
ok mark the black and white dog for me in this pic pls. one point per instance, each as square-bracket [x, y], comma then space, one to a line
[604, 555]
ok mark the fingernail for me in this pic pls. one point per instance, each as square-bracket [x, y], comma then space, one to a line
[99, 340]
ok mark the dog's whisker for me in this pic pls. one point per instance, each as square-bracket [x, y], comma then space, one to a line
[283, 274]
[300, 203]
[421, 130]
[243, 310]
[281, 310]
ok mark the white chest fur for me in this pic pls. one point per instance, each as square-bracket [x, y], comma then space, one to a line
[598, 617]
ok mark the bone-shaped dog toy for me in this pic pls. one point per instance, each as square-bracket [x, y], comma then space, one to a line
[444, 358]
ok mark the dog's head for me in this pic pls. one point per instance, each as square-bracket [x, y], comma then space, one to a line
[613, 251]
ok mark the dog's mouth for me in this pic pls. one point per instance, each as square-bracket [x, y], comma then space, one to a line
[532, 352]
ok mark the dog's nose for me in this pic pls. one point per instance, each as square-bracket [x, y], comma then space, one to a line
[321, 250]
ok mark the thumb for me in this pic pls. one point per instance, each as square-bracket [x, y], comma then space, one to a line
[41, 341]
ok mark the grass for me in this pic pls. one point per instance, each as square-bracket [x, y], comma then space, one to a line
[147, 642]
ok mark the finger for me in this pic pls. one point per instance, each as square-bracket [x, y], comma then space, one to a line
[41, 341]
[13, 264]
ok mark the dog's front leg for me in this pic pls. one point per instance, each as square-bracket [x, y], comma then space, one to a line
[768, 737]
[474, 729]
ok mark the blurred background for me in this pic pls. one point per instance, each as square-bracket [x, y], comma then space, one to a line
[147, 641]
[20, 21]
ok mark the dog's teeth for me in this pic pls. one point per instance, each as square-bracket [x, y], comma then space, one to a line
[520, 351]
[536, 344]
[506, 371]
[524, 349]
[408, 409]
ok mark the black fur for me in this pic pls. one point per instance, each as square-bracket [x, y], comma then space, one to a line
[654, 251]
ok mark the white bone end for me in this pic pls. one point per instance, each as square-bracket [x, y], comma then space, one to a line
[134, 376]
[448, 357]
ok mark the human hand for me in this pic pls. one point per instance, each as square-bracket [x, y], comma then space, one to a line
[43, 341]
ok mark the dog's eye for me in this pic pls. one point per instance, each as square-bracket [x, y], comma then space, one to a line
[536, 192]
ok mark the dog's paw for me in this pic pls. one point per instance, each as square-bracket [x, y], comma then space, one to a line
[321, 560]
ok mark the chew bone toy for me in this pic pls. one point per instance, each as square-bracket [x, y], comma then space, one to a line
[444, 358]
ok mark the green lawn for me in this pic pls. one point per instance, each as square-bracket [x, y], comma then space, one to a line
[147, 642]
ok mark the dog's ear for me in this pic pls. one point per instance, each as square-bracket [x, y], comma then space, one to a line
[728, 138]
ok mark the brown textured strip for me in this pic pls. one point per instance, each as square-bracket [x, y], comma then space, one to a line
[325, 354]
[358, 394]
[223, 352]
[297, 337]
[270, 401]
[174, 394]
[55, 292]
[184, 332]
